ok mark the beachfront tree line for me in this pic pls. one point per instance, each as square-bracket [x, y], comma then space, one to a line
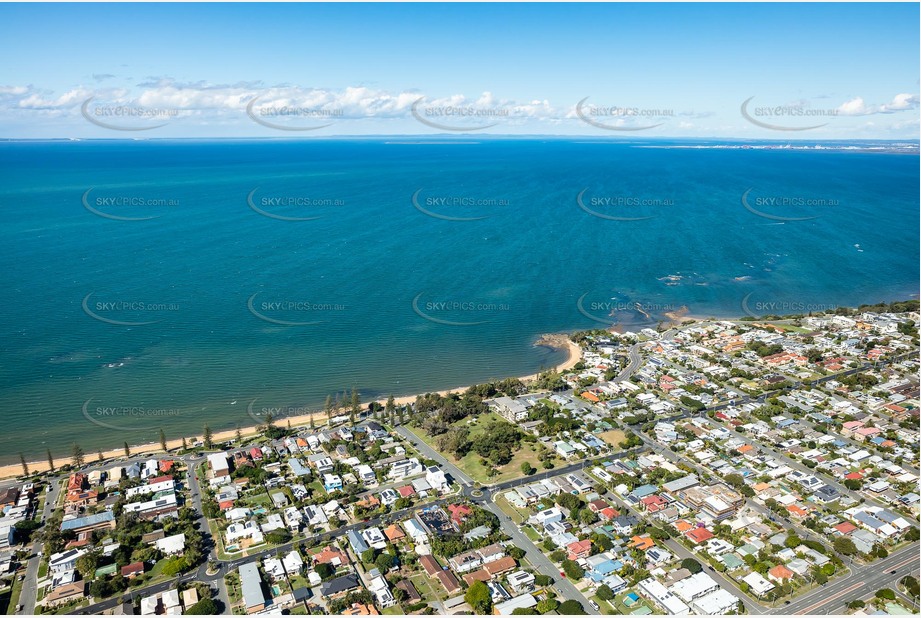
[348, 402]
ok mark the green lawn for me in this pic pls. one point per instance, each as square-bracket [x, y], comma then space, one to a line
[234, 593]
[623, 609]
[393, 610]
[257, 500]
[14, 596]
[470, 463]
[511, 510]
[431, 590]
[606, 608]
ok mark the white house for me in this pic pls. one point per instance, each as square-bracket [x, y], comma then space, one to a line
[381, 591]
[171, 545]
[293, 518]
[293, 563]
[436, 478]
[249, 530]
[374, 537]
[366, 475]
[758, 584]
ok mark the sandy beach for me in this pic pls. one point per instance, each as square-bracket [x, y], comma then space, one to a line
[14, 470]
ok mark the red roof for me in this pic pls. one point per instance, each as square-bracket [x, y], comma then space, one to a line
[607, 514]
[166, 465]
[329, 554]
[853, 476]
[159, 479]
[76, 481]
[430, 565]
[845, 527]
[132, 569]
[459, 511]
[699, 535]
[781, 572]
[477, 576]
[406, 491]
[597, 505]
[579, 549]
[225, 504]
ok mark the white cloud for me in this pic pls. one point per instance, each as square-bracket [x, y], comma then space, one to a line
[858, 107]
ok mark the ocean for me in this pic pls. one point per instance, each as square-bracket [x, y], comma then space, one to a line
[168, 284]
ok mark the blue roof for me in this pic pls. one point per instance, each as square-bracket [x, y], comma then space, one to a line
[644, 490]
[605, 567]
[89, 520]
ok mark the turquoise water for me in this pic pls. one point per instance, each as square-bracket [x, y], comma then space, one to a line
[369, 265]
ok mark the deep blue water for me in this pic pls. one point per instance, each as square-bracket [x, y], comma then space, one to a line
[519, 267]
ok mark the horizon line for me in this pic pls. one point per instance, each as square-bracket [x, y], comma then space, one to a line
[470, 137]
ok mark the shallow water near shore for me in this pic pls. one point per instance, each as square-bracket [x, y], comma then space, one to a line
[172, 283]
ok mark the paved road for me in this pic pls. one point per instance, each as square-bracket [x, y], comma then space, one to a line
[636, 359]
[535, 556]
[538, 559]
[863, 581]
[29, 593]
[704, 473]
[796, 465]
[459, 475]
[683, 552]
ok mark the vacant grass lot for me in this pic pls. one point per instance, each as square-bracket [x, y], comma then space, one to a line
[613, 437]
[471, 462]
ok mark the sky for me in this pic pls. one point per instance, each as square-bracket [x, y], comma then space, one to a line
[750, 71]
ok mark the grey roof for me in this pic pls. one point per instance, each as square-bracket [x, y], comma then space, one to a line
[869, 520]
[297, 468]
[251, 585]
[682, 483]
[339, 584]
[358, 544]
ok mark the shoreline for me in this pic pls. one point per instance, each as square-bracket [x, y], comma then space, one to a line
[14, 470]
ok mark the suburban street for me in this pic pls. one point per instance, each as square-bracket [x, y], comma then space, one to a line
[862, 580]
[29, 593]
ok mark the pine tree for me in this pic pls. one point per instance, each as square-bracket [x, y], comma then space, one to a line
[238, 434]
[185, 445]
[329, 406]
[355, 410]
[25, 466]
[77, 456]
[163, 440]
[206, 438]
[99, 457]
[50, 461]
[127, 450]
